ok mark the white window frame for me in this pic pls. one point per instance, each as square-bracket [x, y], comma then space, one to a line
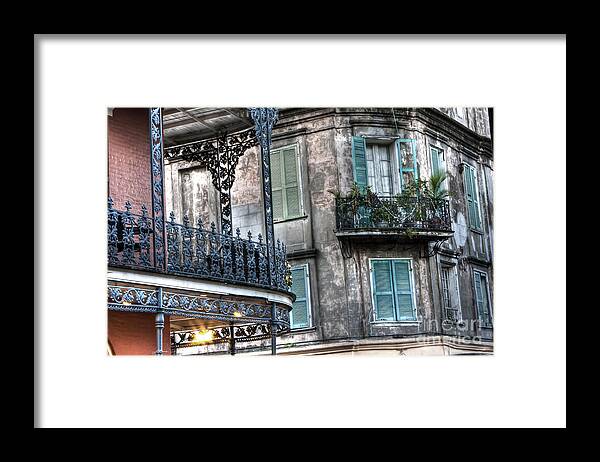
[454, 271]
[308, 298]
[301, 212]
[412, 286]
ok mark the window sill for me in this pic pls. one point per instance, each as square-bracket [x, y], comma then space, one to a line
[302, 330]
[285, 220]
[477, 231]
[394, 323]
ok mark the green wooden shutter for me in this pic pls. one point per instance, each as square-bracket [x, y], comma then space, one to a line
[403, 291]
[383, 293]
[479, 295]
[486, 303]
[292, 191]
[276, 185]
[299, 316]
[471, 197]
[359, 161]
[475, 201]
[406, 150]
[435, 161]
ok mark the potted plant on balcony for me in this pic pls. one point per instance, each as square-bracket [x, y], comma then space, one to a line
[357, 205]
[436, 195]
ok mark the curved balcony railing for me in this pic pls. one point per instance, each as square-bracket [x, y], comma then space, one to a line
[373, 212]
[194, 251]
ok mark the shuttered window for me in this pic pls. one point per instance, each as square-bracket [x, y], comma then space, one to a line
[450, 295]
[472, 197]
[437, 161]
[482, 301]
[393, 294]
[300, 314]
[374, 165]
[285, 183]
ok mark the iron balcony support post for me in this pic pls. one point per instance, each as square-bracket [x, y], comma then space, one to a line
[231, 339]
[159, 324]
[156, 165]
[264, 119]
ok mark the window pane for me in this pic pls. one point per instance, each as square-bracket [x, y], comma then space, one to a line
[445, 287]
[384, 153]
[370, 168]
[386, 186]
[385, 166]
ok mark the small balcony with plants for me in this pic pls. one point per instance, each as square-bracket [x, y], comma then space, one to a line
[420, 212]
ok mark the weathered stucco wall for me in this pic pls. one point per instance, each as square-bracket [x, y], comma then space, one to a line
[342, 306]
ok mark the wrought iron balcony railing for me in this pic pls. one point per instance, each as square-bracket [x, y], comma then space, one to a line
[372, 212]
[194, 251]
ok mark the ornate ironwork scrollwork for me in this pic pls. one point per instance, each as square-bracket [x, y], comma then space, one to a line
[216, 335]
[124, 298]
[128, 237]
[220, 156]
[132, 299]
[156, 157]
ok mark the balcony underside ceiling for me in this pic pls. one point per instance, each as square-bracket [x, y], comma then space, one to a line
[180, 323]
[184, 125]
[395, 234]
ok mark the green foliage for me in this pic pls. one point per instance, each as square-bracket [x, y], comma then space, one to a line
[435, 189]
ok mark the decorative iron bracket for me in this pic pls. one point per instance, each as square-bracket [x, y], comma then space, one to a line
[220, 156]
[345, 247]
[434, 249]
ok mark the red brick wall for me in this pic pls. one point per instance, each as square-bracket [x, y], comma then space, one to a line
[129, 177]
[135, 334]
